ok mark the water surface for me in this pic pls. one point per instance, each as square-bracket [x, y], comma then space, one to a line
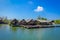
[19, 33]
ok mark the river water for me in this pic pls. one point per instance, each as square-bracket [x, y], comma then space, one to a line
[19, 33]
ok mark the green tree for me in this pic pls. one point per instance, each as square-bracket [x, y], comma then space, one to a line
[41, 18]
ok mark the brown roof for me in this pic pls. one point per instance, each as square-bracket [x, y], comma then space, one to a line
[23, 22]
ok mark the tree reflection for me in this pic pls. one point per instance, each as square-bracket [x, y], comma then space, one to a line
[14, 29]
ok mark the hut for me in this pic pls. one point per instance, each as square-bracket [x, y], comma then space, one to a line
[45, 22]
[14, 22]
[52, 22]
[33, 22]
[23, 22]
[1, 21]
[37, 22]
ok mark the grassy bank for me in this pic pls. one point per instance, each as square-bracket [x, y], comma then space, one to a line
[57, 21]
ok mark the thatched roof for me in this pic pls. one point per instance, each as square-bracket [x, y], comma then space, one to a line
[37, 22]
[23, 22]
[15, 21]
[45, 22]
[32, 22]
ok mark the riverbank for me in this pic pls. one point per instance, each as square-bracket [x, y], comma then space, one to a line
[36, 26]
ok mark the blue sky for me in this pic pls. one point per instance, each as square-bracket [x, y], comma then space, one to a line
[30, 9]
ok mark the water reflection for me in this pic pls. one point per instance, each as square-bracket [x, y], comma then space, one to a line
[14, 29]
[19, 33]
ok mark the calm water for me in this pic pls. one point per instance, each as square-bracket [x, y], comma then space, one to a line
[18, 33]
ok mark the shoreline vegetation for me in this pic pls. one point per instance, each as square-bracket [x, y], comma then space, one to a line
[31, 23]
[57, 21]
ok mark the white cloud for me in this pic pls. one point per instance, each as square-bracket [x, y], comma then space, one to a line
[38, 9]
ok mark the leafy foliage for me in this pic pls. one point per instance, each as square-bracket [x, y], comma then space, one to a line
[41, 18]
